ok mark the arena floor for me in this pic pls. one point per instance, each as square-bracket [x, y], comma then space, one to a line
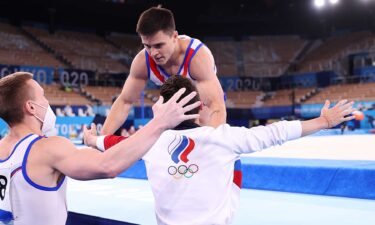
[131, 200]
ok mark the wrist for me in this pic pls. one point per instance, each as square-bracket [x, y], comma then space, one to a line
[158, 125]
[324, 121]
[92, 141]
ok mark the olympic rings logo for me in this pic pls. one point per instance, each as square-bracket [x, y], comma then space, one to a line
[183, 171]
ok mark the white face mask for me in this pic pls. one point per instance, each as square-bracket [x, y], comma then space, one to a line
[48, 122]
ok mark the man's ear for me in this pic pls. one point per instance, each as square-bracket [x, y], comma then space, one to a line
[29, 107]
[175, 35]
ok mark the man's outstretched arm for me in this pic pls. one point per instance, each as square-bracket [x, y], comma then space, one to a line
[262, 137]
[89, 164]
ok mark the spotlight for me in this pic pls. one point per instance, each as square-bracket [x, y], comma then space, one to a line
[333, 2]
[319, 3]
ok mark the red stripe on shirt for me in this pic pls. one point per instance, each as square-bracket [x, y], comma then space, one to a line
[237, 178]
[186, 63]
[155, 70]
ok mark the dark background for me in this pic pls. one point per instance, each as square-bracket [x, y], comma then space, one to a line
[198, 18]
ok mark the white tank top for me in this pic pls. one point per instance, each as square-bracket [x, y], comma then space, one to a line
[30, 203]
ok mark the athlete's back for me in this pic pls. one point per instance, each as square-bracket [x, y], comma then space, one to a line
[191, 171]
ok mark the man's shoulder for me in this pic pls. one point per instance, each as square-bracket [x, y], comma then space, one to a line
[52, 143]
[141, 55]
[226, 129]
[138, 67]
[184, 37]
[187, 40]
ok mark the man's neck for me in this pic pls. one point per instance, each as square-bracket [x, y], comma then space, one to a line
[188, 124]
[21, 130]
[177, 53]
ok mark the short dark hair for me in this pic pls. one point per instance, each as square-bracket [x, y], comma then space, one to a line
[156, 19]
[175, 83]
[13, 94]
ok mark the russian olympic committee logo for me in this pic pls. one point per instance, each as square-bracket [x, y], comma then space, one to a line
[179, 149]
[183, 171]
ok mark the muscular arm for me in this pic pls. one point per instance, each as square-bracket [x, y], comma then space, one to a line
[202, 69]
[86, 164]
[131, 91]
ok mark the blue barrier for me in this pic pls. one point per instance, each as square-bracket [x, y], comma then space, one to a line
[71, 126]
[74, 78]
[240, 83]
[272, 112]
[102, 109]
[368, 71]
[136, 171]
[311, 110]
[305, 80]
[43, 75]
[345, 178]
